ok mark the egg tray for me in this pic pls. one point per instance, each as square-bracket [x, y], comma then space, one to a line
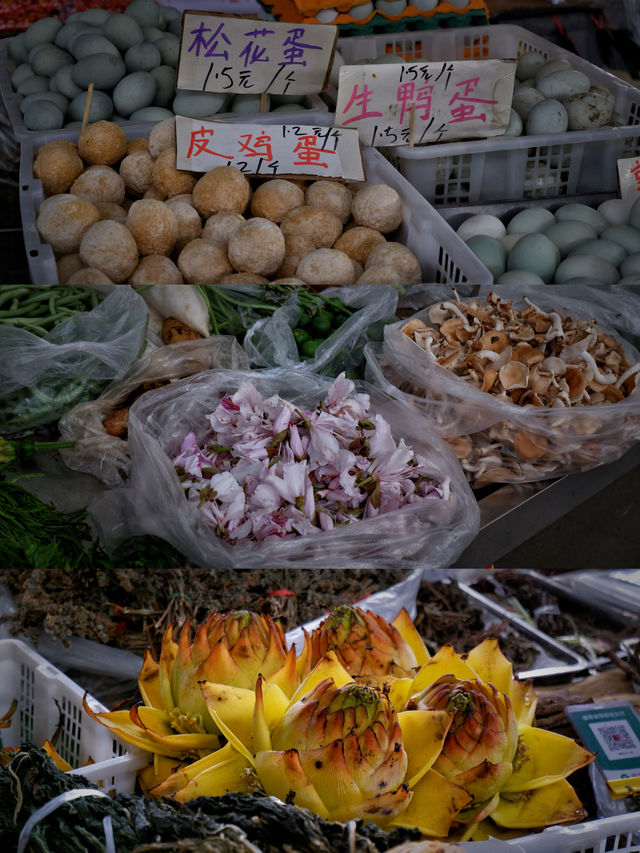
[412, 18]
[315, 112]
[443, 256]
[500, 169]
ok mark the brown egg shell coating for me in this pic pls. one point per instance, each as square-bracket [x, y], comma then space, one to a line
[220, 227]
[274, 199]
[381, 274]
[63, 221]
[99, 183]
[136, 170]
[57, 167]
[89, 275]
[110, 210]
[156, 269]
[154, 226]
[244, 278]
[202, 262]
[222, 189]
[162, 136]
[66, 265]
[102, 143]
[320, 228]
[155, 193]
[138, 143]
[110, 247]
[189, 222]
[332, 196]
[378, 206]
[326, 267]
[257, 247]
[169, 180]
[358, 241]
[399, 257]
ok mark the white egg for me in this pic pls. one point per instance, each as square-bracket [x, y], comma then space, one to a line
[362, 11]
[481, 223]
[549, 116]
[514, 128]
[509, 240]
[590, 110]
[326, 16]
[524, 98]
[551, 66]
[519, 277]
[586, 266]
[529, 63]
[615, 210]
[536, 253]
[425, 5]
[391, 7]
[563, 84]
[531, 220]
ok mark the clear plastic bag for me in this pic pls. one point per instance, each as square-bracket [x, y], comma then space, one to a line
[107, 456]
[43, 377]
[498, 441]
[431, 533]
[270, 342]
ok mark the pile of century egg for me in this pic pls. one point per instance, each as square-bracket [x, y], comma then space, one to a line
[130, 58]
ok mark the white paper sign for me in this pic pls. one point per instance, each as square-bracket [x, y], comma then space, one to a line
[276, 149]
[243, 55]
[629, 177]
[418, 102]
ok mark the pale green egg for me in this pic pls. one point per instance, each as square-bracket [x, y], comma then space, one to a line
[586, 266]
[536, 253]
[626, 235]
[490, 251]
[123, 30]
[631, 265]
[104, 70]
[531, 220]
[569, 234]
[519, 277]
[582, 213]
[609, 251]
[133, 92]
[481, 223]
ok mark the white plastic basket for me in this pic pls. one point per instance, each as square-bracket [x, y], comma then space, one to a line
[443, 256]
[505, 168]
[48, 699]
[315, 111]
[619, 834]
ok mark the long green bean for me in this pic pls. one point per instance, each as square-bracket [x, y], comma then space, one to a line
[39, 308]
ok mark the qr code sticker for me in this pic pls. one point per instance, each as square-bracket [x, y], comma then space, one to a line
[617, 739]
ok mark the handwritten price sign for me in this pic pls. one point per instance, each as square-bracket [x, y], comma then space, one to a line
[219, 54]
[414, 103]
[277, 149]
[629, 177]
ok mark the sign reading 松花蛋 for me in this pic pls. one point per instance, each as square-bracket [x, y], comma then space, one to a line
[417, 102]
[270, 150]
[243, 55]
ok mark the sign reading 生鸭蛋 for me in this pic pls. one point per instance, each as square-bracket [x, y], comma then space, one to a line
[417, 102]
[243, 55]
[629, 177]
[270, 150]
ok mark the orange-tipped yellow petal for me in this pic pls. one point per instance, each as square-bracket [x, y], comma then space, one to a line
[444, 662]
[524, 702]
[55, 756]
[120, 723]
[157, 771]
[410, 635]
[543, 758]
[286, 676]
[149, 681]
[282, 776]
[423, 733]
[184, 774]
[229, 774]
[168, 655]
[555, 803]
[434, 805]
[233, 706]
[261, 733]
[327, 667]
[381, 810]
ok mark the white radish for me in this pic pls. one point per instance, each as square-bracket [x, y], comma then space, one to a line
[181, 301]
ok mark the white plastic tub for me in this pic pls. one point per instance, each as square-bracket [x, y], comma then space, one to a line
[506, 168]
[47, 698]
[443, 256]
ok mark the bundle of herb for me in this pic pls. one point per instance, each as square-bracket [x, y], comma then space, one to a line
[233, 822]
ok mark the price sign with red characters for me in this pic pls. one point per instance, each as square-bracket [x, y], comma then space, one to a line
[246, 55]
[275, 149]
[417, 102]
[629, 177]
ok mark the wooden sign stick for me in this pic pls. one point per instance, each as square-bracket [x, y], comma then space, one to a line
[87, 108]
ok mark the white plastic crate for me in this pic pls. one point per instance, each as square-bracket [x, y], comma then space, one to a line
[315, 112]
[619, 834]
[505, 168]
[443, 256]
[47, 698]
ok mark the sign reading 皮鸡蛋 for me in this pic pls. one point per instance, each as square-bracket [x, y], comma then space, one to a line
[244, 55]
[270, 150]
[417, 102]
